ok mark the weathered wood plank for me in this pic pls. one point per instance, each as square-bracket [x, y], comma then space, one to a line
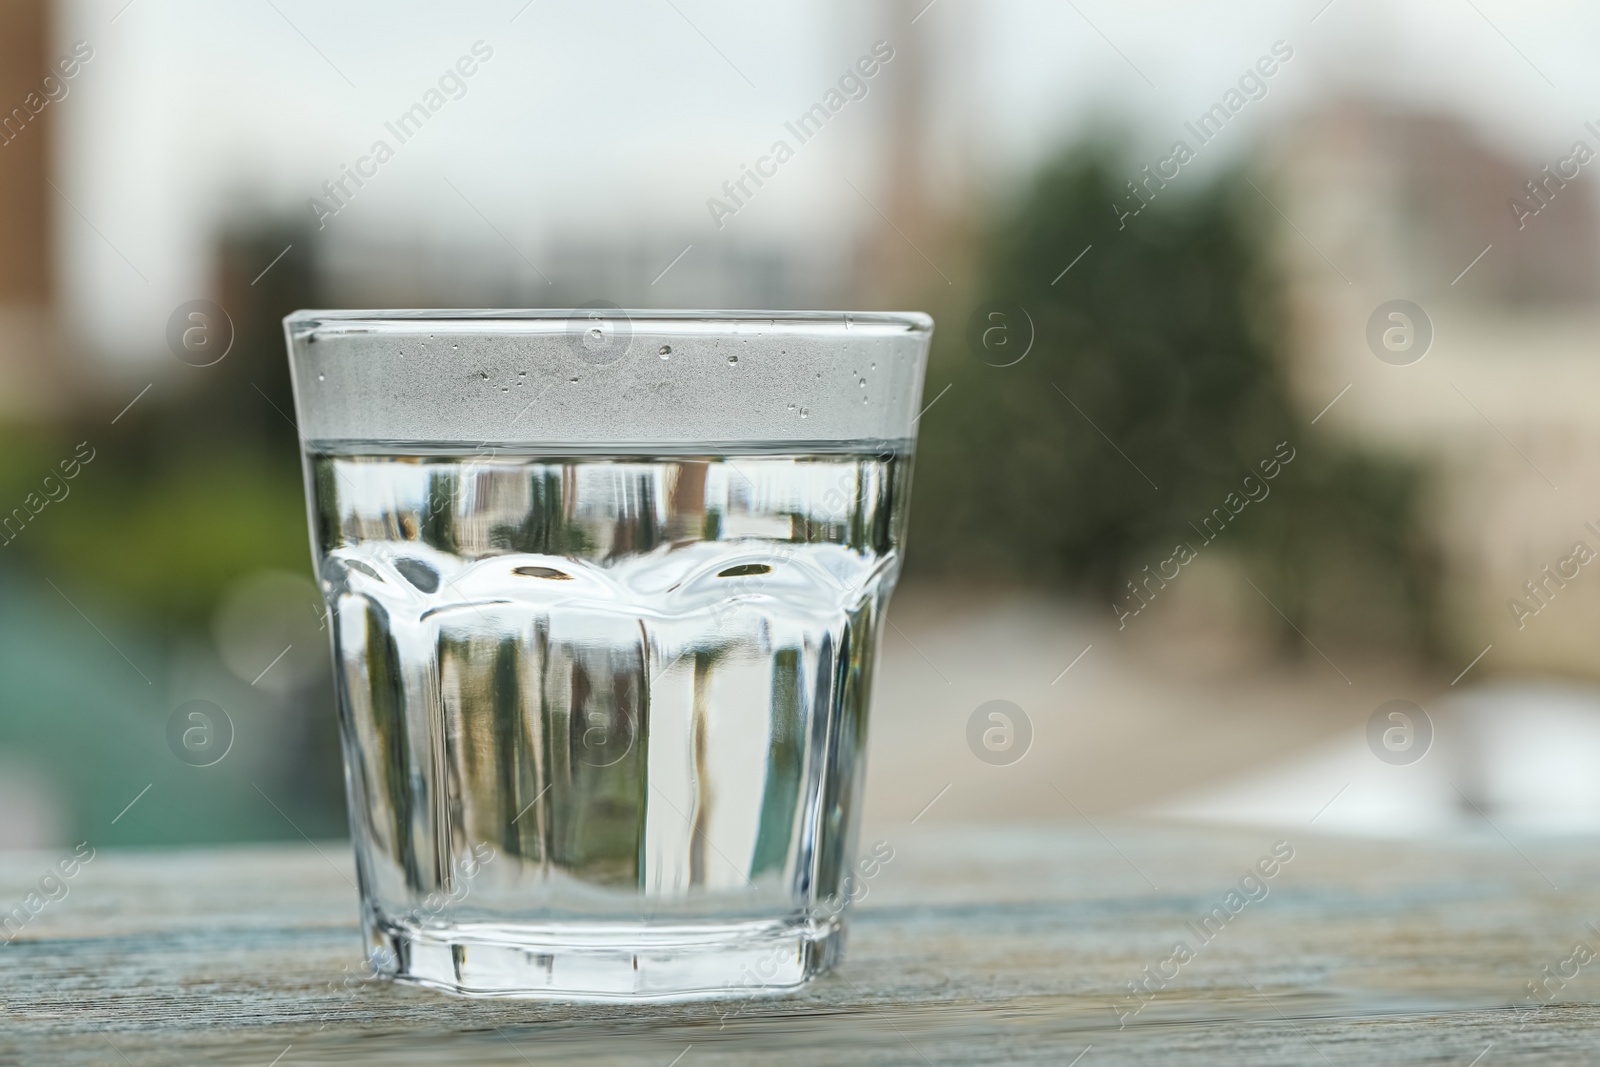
[974, 945]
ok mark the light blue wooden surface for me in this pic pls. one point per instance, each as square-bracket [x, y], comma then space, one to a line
[976, 944]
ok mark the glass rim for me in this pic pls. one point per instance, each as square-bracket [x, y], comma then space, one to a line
[538, 320]
[449, 375]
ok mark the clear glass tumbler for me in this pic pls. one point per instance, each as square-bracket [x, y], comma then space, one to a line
[605, 590]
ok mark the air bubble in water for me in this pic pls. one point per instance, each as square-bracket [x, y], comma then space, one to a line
[542, 572]
[805, 413]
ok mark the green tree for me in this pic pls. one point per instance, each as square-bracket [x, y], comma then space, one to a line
[1153, 387]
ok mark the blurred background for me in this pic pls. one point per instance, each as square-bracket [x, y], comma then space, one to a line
[1162, 242]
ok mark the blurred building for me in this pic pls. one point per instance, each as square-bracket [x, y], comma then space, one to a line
[29, 346]
[646, 269]
[1384, 204]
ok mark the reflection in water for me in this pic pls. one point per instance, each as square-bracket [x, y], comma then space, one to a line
[641, 681]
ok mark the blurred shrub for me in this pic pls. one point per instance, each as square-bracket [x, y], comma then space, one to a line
[198, 484]
[192, 489]
[165, 541]
[1165, 342]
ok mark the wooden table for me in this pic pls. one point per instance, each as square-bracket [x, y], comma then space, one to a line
[976, 944]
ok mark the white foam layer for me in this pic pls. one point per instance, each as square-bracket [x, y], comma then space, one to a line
[606, 377]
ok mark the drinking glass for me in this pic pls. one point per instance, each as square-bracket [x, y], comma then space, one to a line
[604, 590]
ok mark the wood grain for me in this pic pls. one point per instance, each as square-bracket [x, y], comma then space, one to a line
[976, 944]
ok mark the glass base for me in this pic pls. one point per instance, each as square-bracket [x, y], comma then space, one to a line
[608, 961]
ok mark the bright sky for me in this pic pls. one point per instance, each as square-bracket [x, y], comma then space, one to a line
[617, 116]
